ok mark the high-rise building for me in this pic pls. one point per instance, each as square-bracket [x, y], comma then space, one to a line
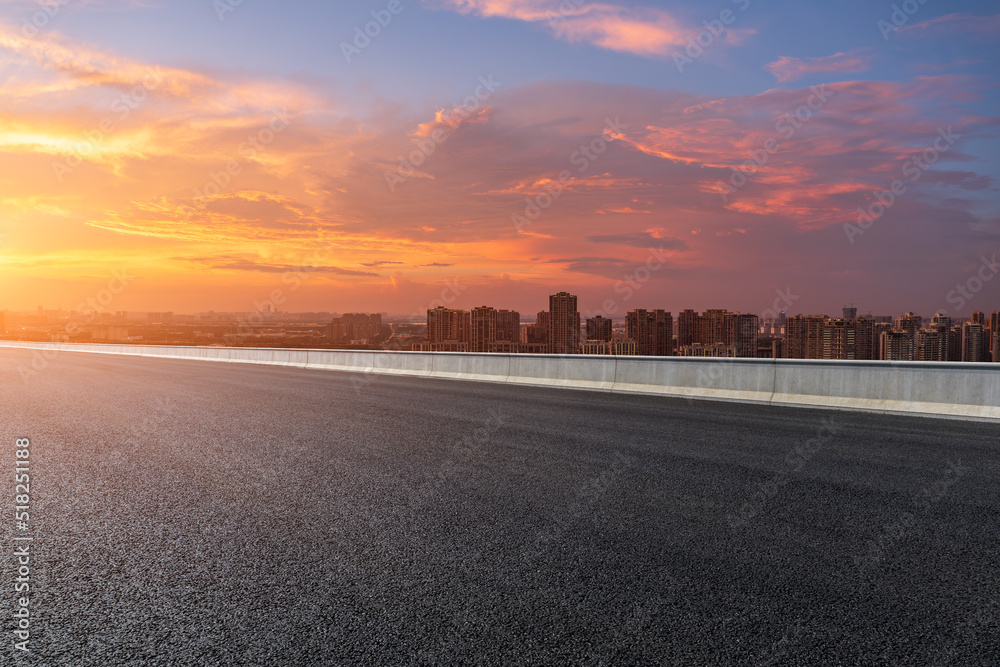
[508, 325]
[941, 323]
[990, 330]
[747, 332]
[447, 325]
[909, 323]
[687, 327]
[599, 328]
[805, 337]
[866, 346]
[822, 337]
[973, 345]
[978, 318]
[537, 333]
[716, 327]
[564, 324]
[897, 345]
[850, 313]
[483, 322]
[930, 345]
[652, 331]
[795, 338]
[879, 327]
[955, 343]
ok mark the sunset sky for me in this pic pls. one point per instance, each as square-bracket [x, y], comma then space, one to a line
[207, 149]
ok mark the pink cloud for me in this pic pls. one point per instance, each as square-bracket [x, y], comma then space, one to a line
[787, 69]
[642, 31]
[979, 26]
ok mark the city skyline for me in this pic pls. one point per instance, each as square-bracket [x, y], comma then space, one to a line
[719, 154]
[559, 330]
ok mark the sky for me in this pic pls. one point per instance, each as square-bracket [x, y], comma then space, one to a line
[391, 156]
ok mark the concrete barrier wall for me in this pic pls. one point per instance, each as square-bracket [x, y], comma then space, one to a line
[404, 363]
[482, 367]
[749, 380]
[949, 389]
[967, 391]
[563, 370]
[339, 360]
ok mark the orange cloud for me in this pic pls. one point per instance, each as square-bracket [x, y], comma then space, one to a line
[174, 187]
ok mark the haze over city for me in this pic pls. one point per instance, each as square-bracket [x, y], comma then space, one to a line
[707, 156]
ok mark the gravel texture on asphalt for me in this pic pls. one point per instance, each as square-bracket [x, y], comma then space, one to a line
[201, 513]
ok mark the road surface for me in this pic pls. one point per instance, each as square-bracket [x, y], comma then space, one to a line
[201, 513]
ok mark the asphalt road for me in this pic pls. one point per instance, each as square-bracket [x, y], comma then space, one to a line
[198, 513]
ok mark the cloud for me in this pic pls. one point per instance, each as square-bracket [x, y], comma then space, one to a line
[968, 24]
[230, 263]
[449, 121]
[321, 184]
[787, 69]
[57, 68]
[640, 240]
[641, 31]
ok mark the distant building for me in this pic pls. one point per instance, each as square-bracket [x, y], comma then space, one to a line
[897, 345]
[355, 328]
[442, 346]
[508, 325]
[934, 343]
[746, 331]
[599, 328]
[993, 336]
[687, 327]
[909, 323]
[822, 337]
[803, 337]
[973, 342]
[618, 347]
[699, 350]
[623, 347]
[484, 329]
[448, 325]
[110, 334]
[719, 328]
[537, 333]
[930, 345]
[879, 327]
[652, 331]
[564, 324]
[494, 330]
